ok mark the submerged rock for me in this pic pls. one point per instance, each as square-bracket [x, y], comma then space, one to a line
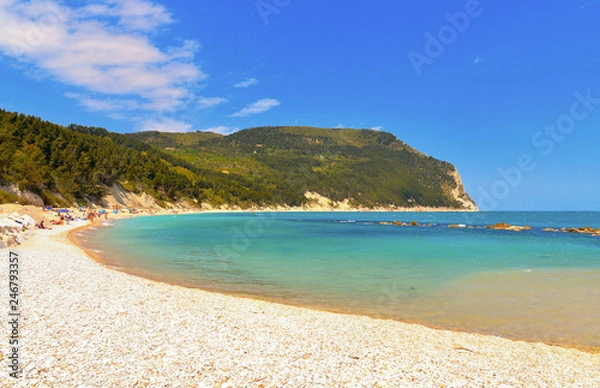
[412, 223]
[551, 230]
[500, 225]
[584, 230]
[505, 226]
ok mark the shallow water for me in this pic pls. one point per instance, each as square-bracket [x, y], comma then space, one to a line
[531, 285]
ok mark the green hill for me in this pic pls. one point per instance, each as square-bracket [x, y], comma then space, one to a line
[257, 167]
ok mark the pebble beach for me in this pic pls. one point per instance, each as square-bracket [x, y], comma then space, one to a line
[86, 325]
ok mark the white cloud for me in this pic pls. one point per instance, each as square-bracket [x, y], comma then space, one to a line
[247, 83]
[222, 129]
[340, 125]
[186, 51]
[259, 106]
[137, 15]
[377, 128]
[478, 59]
[104, 49]
[165, 125]
[106, 105]
[209, 102]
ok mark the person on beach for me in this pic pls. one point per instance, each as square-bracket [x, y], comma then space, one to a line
[42, 226]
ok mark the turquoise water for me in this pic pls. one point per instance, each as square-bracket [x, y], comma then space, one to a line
[530, 284]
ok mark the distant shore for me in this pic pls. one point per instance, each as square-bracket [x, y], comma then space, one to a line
[89, 324]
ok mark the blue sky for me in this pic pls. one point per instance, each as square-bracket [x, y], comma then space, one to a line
[506, 90]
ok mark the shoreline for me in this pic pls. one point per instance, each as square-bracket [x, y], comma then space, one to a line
[323, 307]
[89, 323]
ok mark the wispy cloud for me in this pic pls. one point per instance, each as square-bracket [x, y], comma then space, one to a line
[104, 51]
[165, 125]
[377, 128]
[103, 105]
[209, 102]
[478, 59]
[340, 125]
[247, 83]
[136, 15]
[222, 129]
[259, 106]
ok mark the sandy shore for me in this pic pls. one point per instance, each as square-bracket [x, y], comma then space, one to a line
[86, 325]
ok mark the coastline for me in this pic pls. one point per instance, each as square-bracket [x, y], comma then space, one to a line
[485, 329]
[88, 323]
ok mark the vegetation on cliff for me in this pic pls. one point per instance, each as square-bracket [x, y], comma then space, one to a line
[257, 167]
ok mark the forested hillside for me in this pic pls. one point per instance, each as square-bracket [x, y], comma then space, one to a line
[257, 167]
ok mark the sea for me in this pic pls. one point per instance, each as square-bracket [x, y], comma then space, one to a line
[532, 285]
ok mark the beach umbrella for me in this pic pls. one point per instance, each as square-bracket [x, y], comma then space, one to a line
[63, 211]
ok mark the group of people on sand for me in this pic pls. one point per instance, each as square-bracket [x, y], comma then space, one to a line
[92, 215]
[64, 217]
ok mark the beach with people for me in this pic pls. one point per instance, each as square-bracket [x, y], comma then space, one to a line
[86, 322]
[294, 194]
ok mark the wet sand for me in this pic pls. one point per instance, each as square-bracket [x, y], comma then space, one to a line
[555, 306]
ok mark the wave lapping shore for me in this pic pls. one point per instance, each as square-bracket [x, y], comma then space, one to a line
[85, 324]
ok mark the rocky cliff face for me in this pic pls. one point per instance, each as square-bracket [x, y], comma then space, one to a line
[459, 194]
[118, 196]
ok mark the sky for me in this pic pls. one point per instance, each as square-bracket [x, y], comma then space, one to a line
[507, 91]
